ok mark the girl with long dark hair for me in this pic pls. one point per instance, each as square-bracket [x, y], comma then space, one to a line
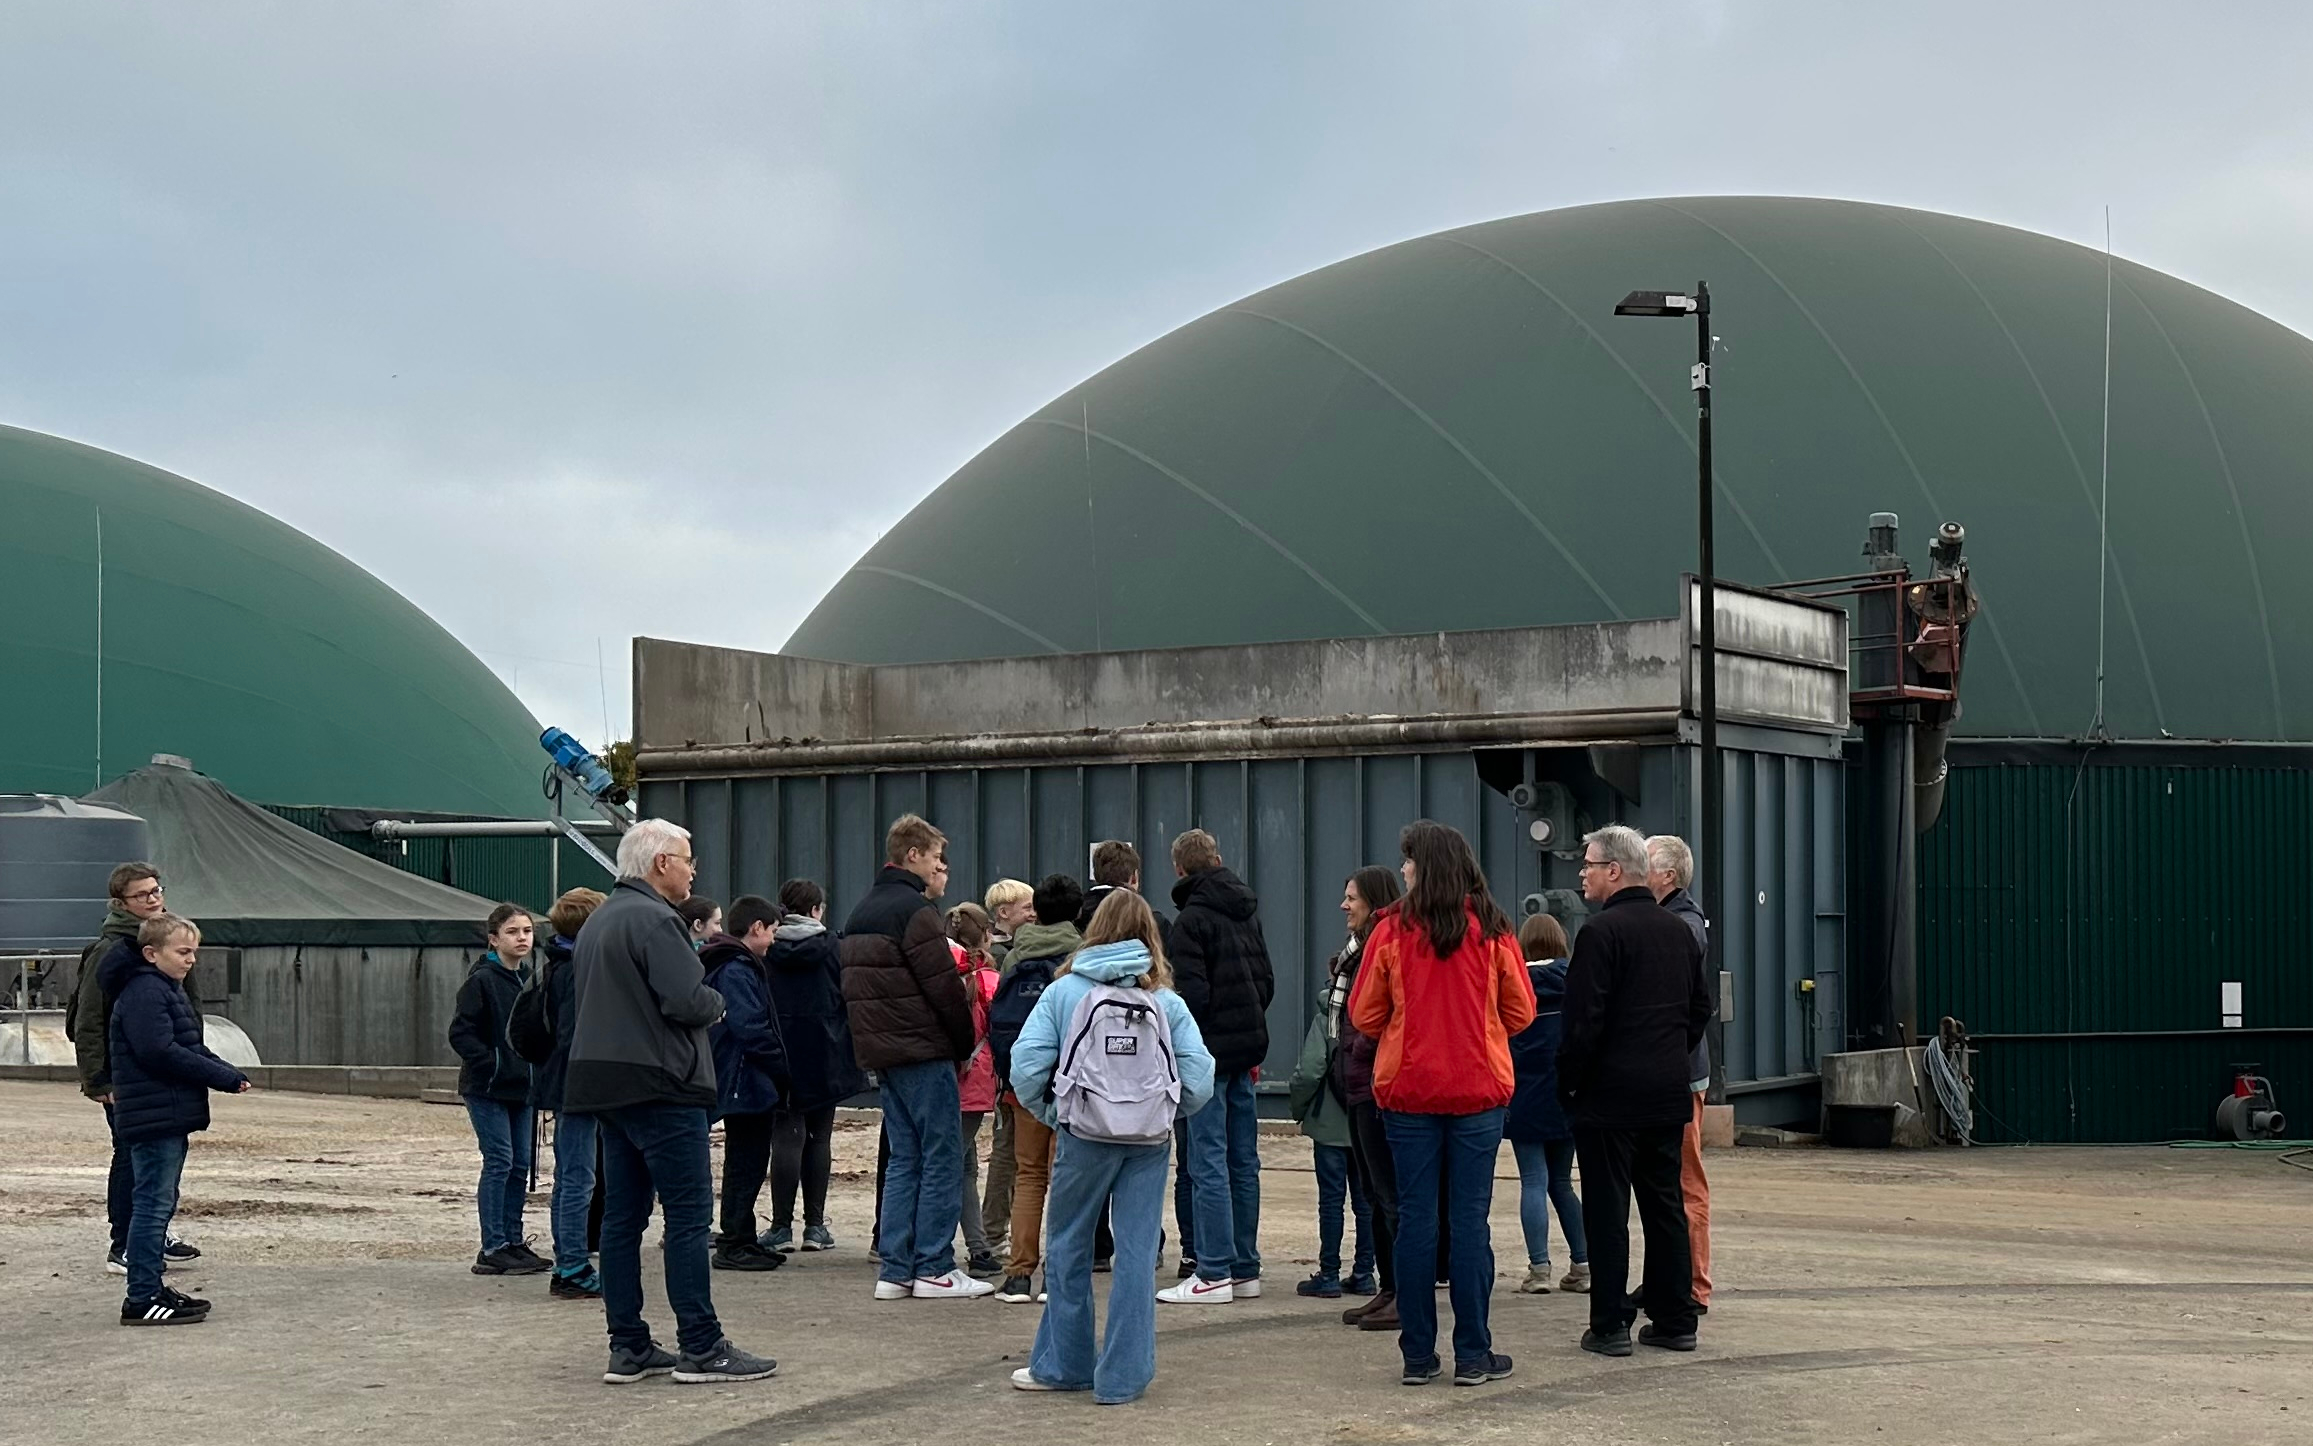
[1443, 988]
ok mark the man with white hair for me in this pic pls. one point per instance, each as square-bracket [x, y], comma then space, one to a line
[1670, 872]
[640, 1062]
[1635, 1005]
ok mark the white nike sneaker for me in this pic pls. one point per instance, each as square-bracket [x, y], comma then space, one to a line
[1197, 1290]
[892, 1290]
[1247, 1289]
[955, 1285]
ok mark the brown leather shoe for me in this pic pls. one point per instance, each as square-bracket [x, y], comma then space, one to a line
[1383, 1317]
[1356, 1314]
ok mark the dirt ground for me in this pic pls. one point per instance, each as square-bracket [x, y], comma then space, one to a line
[2109, 1296]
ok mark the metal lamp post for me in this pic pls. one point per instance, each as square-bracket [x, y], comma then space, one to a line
[1698, 305]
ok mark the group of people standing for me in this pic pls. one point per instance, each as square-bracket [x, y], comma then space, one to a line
[646, 1014]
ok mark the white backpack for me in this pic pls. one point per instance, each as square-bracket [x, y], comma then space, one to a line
[1118, 1082]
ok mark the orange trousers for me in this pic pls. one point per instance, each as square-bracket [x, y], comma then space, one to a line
[1697, 1187]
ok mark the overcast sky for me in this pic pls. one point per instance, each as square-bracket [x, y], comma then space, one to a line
[691, 302]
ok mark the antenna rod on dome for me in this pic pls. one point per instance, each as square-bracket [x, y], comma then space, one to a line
[2104, 488]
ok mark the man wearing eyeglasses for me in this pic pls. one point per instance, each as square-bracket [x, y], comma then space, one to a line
[136, 895]
[1635, 1006]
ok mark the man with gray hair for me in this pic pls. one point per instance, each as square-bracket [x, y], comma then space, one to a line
[1635, 1006]
[1670, 873]
[640, 1062]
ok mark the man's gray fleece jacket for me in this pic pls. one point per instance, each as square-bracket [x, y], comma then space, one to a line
[642, 1009]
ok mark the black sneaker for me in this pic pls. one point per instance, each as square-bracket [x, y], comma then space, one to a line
[522, 1248]
[985, 1266]
[1102, 1264]
[1608, 1343]
[1492, 1367]
[726, 1362]
[162, 1309]
[1017, 1290]
[505, 1261]
[1421, 1373]
[1656, 1336]
[177, 1252]
[116, 1261]
[586, 1285]
[1188, 1266]
[183, 1301]
[627, 1367]
[746, 1256]
[1321, 1285]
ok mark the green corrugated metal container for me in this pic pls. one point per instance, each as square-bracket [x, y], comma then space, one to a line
[2081, 916]
[516, 870]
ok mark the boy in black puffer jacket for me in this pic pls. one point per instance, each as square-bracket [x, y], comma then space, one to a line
[1221, 968]
[161, 1077]
[495, 1083]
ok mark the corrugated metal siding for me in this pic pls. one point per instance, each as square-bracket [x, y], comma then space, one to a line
[515, 870]
[1296, 828]
[2110, 899]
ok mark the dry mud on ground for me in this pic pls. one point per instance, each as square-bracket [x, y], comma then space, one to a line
[1986, 1296]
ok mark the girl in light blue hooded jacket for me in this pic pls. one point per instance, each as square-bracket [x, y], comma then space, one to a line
[1093, 1177]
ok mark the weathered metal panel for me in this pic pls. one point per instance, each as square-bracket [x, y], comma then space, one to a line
[1296, 827]
[2084, 902]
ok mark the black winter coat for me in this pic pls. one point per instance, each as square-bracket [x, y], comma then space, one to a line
[906, 1000]
[1535, 1115]
[1635, 1005]
[1221, 967]
[161, 1071]
[562, 1013]
[488, 1067]
[805, 971]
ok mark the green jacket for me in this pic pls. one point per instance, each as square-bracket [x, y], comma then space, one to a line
[1317, 1108]
[91, 1027]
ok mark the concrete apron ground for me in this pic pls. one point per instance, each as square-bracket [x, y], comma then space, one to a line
[1994, 1295]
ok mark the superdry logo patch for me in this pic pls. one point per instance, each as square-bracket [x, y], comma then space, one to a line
[1120, 1043]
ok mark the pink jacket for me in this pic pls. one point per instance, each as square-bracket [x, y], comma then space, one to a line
[976, 1077]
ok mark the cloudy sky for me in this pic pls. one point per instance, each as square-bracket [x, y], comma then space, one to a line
[574, 322]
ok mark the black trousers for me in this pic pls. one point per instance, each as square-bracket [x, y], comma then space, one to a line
[803, 1158]
[119, 1189]
[1617, 1164]
[746, 1162]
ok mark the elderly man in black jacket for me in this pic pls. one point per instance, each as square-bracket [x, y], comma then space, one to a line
[1221, 968]
[911, 1022]
[1635, 1006]
[640, 1063]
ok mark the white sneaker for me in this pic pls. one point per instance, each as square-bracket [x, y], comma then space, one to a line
[1025, 1380]
[892, 1290]
[955, 1285]
[1197, 1290]
[1247, 1289]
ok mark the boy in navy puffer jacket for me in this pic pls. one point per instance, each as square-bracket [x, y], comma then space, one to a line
[161, 1077]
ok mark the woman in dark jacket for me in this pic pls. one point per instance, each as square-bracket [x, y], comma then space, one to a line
[576, 1211]
[495, 1083]
[1537, 1128]
[1367, 893]
[806, 979]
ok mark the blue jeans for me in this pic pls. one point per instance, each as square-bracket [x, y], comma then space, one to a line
[119, 1189]
[922, 1189]
[1458, 1150]
[1337, 1185]
[1225, 1181]
[1546, 1179]
[658, 1149]
[1126, 1184]
[503, 1131]
[575, 1140]
[159, 1165]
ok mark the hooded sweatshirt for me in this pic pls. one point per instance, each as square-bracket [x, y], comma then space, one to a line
[88, 1018]
[1038, 1052]
[806, 978]
[488, 1067]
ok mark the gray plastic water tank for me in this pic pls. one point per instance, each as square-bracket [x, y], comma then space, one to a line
[56, 855]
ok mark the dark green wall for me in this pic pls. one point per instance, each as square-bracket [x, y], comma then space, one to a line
[2097, 909]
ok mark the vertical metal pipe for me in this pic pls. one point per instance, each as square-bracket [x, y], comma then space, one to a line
[1714, 894]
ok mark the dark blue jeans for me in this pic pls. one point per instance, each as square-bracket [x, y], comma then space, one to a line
[503, 1132]
[1457, 1151]
[1225, 1176]
[1338, 1185]
[577, 1138]
[159, 1165]
[659, 1149]
[119, 1189]
[923, 1188]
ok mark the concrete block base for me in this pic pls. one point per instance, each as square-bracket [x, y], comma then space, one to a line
[1718, 1127]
